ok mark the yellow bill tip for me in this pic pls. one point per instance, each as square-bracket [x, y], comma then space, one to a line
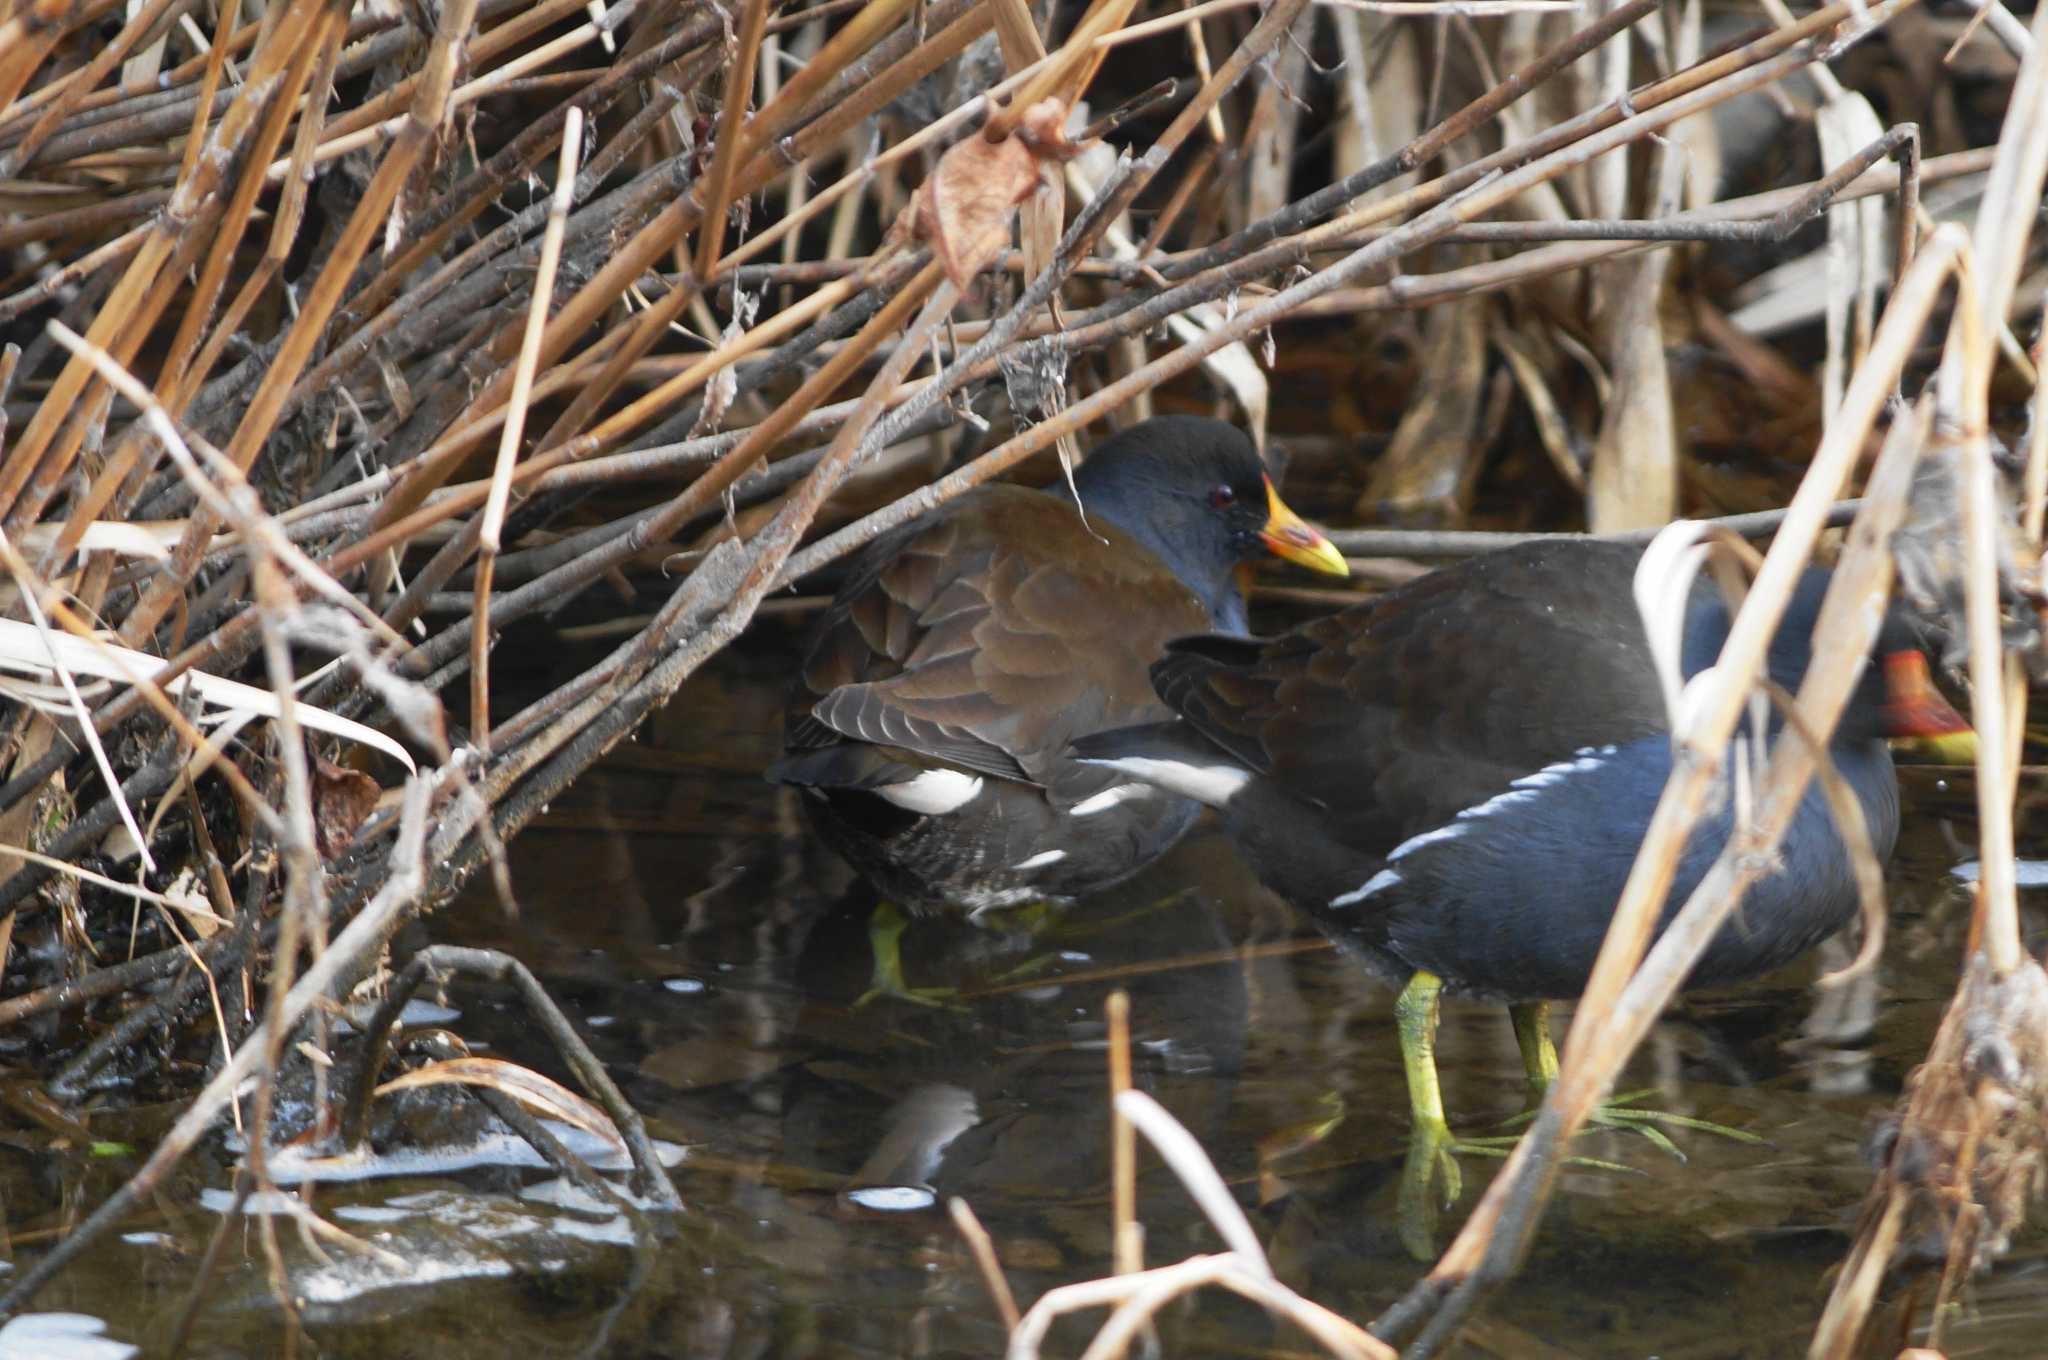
[1289, 536]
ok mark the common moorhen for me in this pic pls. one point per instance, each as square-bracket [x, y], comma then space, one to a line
[931, 718]
[1454, 778]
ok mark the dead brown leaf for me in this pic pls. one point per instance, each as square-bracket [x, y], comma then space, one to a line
[342, 799]
[963, 211]
[545, 1097]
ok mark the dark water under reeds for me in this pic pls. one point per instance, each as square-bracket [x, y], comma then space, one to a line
[709, 948]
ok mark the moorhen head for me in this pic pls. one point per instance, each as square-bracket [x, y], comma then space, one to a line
[1453, 780]
[929, 723]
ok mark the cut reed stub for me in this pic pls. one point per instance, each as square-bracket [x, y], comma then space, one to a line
[1966, 1155]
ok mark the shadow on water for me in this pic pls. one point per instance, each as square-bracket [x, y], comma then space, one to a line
[710, 950]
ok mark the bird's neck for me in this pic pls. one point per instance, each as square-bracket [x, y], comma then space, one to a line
[1218, 591]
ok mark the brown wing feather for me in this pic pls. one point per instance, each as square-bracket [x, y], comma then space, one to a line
[992, 634]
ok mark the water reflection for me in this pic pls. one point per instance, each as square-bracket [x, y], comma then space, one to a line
[1276, 1051]
[711, 952]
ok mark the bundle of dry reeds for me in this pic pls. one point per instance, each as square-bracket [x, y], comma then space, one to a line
[347, 336]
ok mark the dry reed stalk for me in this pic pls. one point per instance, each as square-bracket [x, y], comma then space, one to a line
[304, 914]
[40, 459]
[1066, 76]
[1966, 1152]
[1470, 203]
[364, 935]
[1606, 241]
[237, 505]
[1607, 116]
[1963, 1158]
[311, 54]
[1634, 478]
[28, 35]
[1136, 1298]
[214, 275]
[773, 545]
[493, 521]
[985, 1259]
[423, 124]
[31, 592]
[146, 19]
[265, 406]
[636, 663]
[672, 222]
[1126, 1236]
[2017, 175]
[430, 230]
[1620, 1001]
[739, 93]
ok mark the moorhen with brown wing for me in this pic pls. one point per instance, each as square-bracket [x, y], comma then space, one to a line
[930, 721]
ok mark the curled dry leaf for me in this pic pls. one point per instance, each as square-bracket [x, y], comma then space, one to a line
[188, 897]
[963, 211]
[544, 1097]
[342, 799]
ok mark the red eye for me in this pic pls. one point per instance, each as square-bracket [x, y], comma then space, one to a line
[1223, 497]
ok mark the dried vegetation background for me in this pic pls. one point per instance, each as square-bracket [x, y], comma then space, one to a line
[327, 324]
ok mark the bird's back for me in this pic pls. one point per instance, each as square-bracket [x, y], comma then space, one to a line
[1394, 715]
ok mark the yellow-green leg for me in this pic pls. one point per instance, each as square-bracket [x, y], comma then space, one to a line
[885, 943]
[1432, 1149]
[1539, 1062]
[1539, 1054]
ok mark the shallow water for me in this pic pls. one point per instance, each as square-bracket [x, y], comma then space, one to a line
[710, 950]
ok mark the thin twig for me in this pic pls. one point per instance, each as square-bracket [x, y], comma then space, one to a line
[493, 521]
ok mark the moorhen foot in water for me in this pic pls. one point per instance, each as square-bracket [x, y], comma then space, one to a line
[929, 723]
[1453, 780]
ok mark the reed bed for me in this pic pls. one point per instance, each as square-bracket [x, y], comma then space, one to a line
[342, 339]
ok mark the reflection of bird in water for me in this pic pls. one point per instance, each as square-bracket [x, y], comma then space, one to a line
[1454, 779]
[1002, 1098]
[929, 724]
[1833, 1039]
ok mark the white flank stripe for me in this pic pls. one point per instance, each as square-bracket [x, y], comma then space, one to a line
[1414, 843]
[933, 793]
[1109, 798]
[1520, 791]
[1385, 878]
[1041, 859]
[1211, 784]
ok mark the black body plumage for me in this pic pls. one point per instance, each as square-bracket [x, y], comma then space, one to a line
[1455, 777]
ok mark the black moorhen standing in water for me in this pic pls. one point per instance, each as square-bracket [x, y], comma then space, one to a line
[1454, 778]
[929, 723]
